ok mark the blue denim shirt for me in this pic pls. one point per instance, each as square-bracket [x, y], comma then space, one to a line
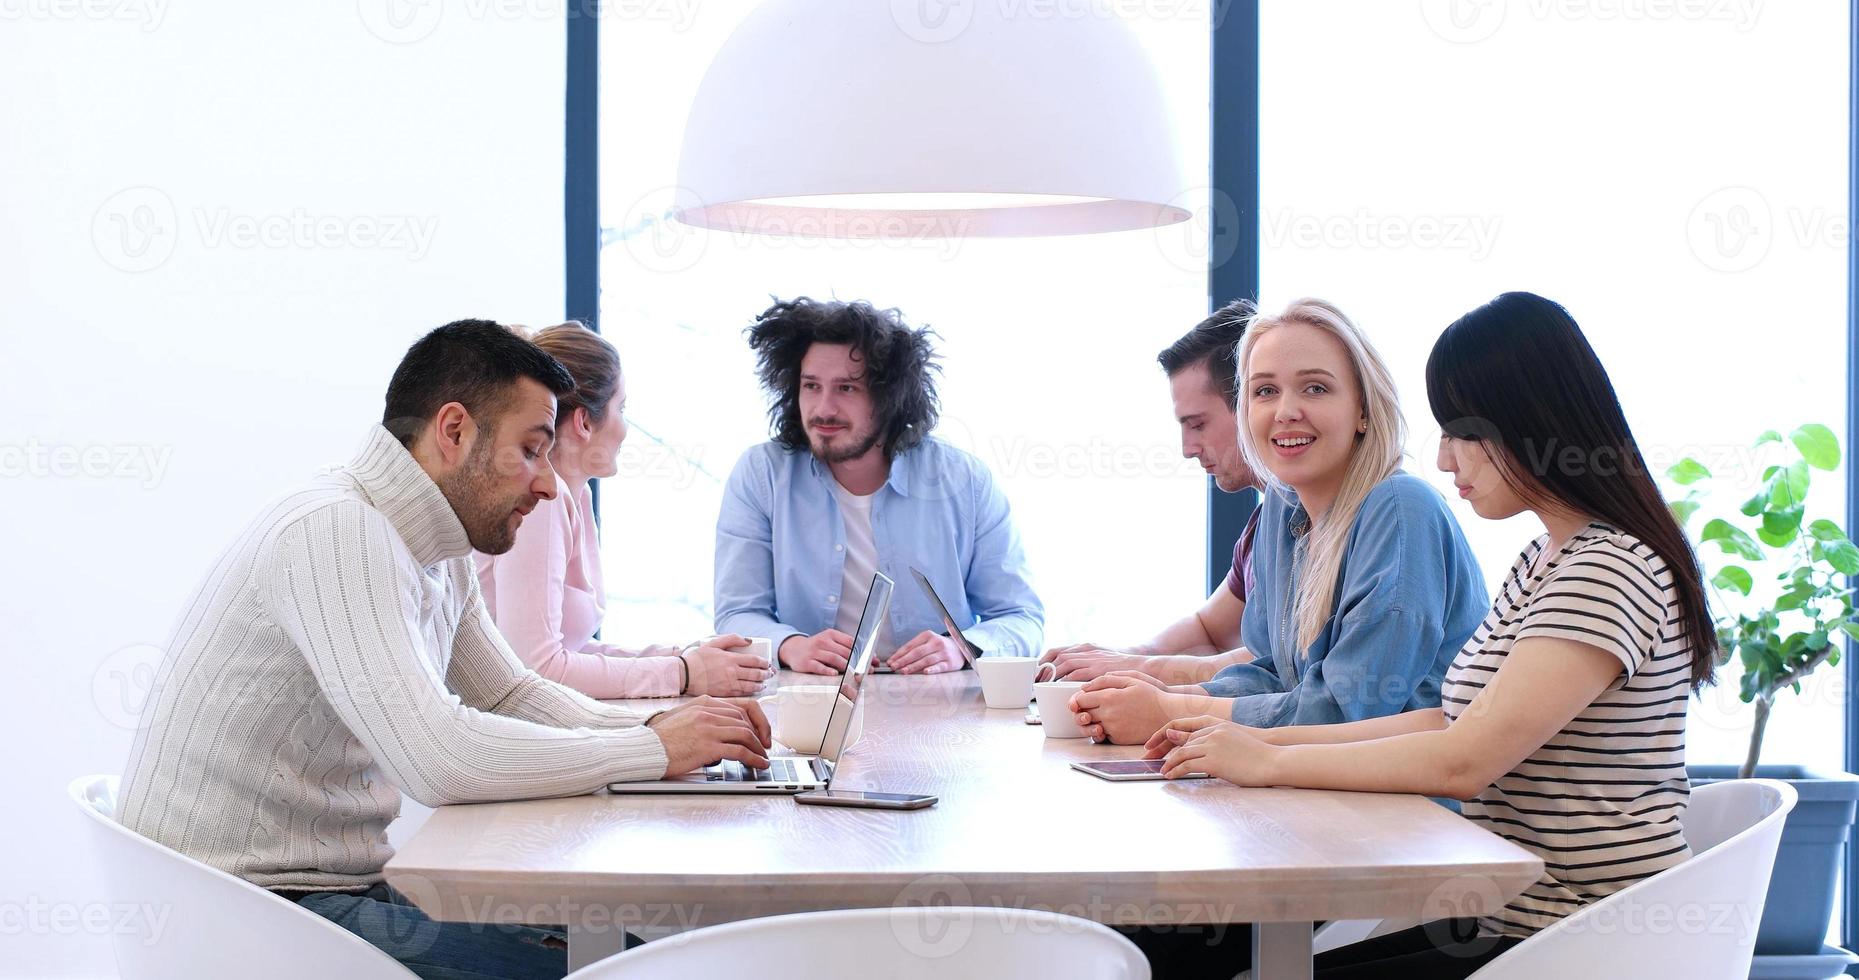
[1408, 596]
[780, 549]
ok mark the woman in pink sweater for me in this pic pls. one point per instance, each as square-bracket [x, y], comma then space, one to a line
[547, 594]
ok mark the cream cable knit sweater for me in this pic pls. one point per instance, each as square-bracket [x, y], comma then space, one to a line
[337, 655]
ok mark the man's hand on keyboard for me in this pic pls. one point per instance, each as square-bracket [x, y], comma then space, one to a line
[707, 730]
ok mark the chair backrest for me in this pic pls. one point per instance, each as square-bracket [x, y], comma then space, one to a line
[914, 943]
[1697, 920]
[181, 918]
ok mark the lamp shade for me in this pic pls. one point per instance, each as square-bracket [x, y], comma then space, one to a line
[929, 118]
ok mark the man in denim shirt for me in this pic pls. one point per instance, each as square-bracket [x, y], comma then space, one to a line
[853, 483]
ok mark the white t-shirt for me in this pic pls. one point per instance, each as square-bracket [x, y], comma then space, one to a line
[861, 564]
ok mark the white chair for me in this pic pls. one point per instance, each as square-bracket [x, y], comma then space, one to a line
[914, 943]
[1697, 920]
[202, 924]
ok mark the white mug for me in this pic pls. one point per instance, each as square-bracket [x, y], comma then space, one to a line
[798, 715]
[1058, 720]
[762, 647]
[1007, 682]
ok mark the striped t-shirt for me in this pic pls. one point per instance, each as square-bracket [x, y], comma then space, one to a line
[1601, 802]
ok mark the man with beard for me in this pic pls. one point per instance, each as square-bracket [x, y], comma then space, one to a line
[1200, 368]
[853, 483]
[339, 654]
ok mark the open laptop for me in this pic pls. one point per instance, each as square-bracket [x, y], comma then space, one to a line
[969, 650]
[795, 773]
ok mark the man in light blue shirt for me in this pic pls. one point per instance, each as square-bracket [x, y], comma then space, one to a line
[854, 483]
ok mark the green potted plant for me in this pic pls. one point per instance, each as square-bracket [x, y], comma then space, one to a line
[1785, 607]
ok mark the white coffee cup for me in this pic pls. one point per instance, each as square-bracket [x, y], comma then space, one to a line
[762, 647]
[1058, 720]
[798, 714]
[1006, 682]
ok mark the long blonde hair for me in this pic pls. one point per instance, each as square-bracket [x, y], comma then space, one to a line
[1376, 456]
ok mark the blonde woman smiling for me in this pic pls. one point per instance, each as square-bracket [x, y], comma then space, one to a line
[1365, 585]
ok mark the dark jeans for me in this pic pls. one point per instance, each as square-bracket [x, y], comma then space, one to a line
[441, 950]
[1445, 950]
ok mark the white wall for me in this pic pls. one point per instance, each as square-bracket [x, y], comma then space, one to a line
[321, 183]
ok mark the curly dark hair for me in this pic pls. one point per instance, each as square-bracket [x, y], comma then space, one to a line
[900, 366]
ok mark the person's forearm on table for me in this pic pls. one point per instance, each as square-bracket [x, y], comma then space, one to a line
[1369, 729]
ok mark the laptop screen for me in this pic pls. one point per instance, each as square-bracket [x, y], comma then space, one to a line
[858, 666]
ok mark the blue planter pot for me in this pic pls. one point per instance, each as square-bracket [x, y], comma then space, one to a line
[1801, 890]
[1827, 964]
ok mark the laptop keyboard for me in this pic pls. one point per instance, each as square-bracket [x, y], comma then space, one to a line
[730, 771]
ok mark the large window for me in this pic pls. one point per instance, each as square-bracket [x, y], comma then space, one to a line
[1048, 350]
[1673, 173]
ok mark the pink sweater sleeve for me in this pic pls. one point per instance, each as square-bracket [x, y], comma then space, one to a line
[528, 588]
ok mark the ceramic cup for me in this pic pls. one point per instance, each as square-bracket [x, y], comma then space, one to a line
[1007, 682]
[1058, 720]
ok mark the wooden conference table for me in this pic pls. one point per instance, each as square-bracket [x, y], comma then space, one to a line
[1016, 827]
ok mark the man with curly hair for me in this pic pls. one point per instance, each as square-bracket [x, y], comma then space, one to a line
[853, 483]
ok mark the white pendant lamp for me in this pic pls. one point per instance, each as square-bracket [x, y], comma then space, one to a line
[929, 118]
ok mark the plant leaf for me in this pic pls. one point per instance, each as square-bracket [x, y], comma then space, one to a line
[1818, 446]
[1850, 629]
[1756, 504]
[1731, 539]
[1769, 436]
[1825, 530]
[1797, 480]
[1734, 577]
[1842, 555]
[1779, 527]
[1687, 471]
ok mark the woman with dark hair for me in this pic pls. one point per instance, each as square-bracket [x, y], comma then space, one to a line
[1563, 720]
